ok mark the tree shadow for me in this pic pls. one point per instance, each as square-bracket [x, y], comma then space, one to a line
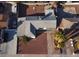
[47, 15]
[33, 29]
[39, 32]
[19, 23]
[7, 35]
[7, 8]
[75, 27]
[21, 9]
[75, 30]
[12, 22]
[77, 51]
[1, 8]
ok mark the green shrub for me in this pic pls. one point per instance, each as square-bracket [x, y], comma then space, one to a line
[59, 39]
[26, 39]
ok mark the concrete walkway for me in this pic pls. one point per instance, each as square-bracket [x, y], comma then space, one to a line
[12, 46]
[3, 48]
[51, 45]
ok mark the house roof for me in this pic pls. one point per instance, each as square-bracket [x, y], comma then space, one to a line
[34, 46]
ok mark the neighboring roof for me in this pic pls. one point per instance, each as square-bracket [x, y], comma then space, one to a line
[3, 22]
[3, 25]
[76, 6]
[1, 8]
[35, 10]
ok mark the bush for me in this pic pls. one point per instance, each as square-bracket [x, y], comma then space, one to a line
[26, 39]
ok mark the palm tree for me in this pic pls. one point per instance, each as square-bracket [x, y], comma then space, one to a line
[60, 38]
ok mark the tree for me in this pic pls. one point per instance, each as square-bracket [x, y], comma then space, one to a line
[59, 37]
[60, 45]
[26, 39]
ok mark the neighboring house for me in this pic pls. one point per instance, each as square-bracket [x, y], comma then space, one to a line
[33, 21]
[8, 26]
[36, 17]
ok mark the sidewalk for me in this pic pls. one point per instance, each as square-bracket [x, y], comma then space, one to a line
[51, 45]
[3, 48]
